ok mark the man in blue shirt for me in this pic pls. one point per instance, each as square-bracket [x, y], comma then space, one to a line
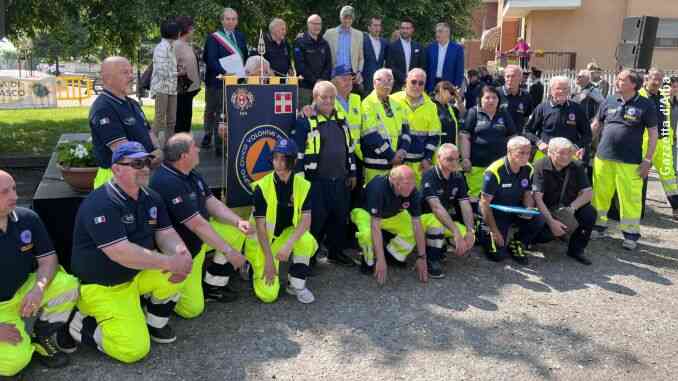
[124, 247]
[31, 284]
[346, 44]
[199, 217]
[444, 59]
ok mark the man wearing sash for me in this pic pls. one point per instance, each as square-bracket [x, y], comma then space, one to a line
[218, 45]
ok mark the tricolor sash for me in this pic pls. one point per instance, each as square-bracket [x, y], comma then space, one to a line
[223, 41]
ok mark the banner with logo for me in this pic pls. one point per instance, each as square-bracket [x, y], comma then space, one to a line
[258, 115]
[18, 93]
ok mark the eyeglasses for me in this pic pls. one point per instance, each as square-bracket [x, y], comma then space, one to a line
[385, 80]
[137, 163]
[450, 159]
[414, 82]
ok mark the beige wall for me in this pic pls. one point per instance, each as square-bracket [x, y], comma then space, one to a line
[593, 30]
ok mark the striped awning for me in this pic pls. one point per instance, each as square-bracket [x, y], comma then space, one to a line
[490, 38]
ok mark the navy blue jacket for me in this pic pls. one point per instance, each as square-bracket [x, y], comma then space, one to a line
[395, 60]
[453, 67]
[213, 51]
[372, 62]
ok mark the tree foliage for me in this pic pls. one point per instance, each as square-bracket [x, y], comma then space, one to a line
[122, 26]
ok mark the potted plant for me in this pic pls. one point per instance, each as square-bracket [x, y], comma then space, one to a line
[77, 164]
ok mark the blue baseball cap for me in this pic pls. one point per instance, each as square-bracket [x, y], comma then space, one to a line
[286, 147]
[342, 70]
[129, 149]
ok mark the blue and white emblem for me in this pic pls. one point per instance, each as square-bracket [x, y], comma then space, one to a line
[153, 212]
[26, 236]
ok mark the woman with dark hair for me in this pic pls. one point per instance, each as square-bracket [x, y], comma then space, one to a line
[188, 82]
[164, 82]
[450, 111]
[483, 137]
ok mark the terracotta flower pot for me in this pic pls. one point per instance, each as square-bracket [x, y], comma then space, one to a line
[80, 179]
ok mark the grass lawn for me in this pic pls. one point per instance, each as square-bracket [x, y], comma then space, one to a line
[36, 131]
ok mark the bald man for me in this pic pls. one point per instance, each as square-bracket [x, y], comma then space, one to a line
[45, 292]
[514, 100]
[114, 118]
[312, 57]
[393, 204]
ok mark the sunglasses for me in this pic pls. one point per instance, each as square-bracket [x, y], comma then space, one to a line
[137, 163]
[414, 82]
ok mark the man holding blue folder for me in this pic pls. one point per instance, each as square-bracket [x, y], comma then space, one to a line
[508, 182]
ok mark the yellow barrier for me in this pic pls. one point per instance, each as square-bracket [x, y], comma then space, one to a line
[71, 88]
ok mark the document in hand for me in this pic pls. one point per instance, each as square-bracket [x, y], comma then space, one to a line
[232, 64]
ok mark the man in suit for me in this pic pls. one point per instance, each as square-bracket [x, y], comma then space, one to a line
[444, 59]
[404, 54]
[219, 44]
[346, 44]
[374, 47]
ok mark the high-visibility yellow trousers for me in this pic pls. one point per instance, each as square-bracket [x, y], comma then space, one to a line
[609, 176]
[474, 180]
[57, 302]
[399, 225]
[372, 173]
[436, 234]
[302, 251]
[664, 163]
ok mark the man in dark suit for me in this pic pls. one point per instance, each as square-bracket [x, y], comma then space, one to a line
[219, 44]
[374, 48]
[444, 59]
[404, 54]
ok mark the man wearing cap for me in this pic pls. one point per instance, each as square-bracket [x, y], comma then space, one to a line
[514, 100]
[114, 118]
[558, 117]
[313, 58]
[124, 247]
[31, 285]
[346, 44]
[446, 209]
[425, 127]
[385, 132]
[393, 204]
[349, 104]
[601, 83]
[203, 222]
[282, 212]
[328, 163]
[508, 182]
[223, 43]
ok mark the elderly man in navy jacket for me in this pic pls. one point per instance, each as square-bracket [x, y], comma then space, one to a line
[220, 44]
[374, 49]
[444, 59]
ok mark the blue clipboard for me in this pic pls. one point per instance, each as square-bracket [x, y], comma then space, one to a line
[515, 209]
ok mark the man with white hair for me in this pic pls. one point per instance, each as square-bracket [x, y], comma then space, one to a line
[514, 100]
[562, 188]
[224, 42]
[425, 127]
[312, 58]
[328, 162]
[254, 64]
[558, 117]
[587, 94]
[507, 182]
[277, 48]
[346, 44]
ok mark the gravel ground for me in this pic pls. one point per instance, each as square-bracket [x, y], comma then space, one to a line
[554, 319]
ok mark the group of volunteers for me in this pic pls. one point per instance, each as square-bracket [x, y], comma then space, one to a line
[398, 172]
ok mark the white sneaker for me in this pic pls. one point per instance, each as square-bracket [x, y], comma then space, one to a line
[598, 234]
[629, 244]
[304, 295]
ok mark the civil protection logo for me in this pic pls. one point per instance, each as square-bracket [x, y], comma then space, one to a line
[253, 157]
[242, 99]
[26, 236]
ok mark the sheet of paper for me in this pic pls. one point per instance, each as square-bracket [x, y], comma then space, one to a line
[232, 64]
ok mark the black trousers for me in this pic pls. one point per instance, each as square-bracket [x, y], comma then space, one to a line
[586, 217]
[331, 200]
[185, 111]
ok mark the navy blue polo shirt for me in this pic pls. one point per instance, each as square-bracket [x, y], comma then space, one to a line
[113, 119]
[519, 106]
[624, 124]
[24, 241]
[567, 120]
[488, 135]
[449, 191]
[285, 211]
[185, 197]
[381, 200]
[108, 216]
[509, 188]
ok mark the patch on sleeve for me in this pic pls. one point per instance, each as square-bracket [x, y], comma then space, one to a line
[177, 200]
[104, 121]
[99, 220]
